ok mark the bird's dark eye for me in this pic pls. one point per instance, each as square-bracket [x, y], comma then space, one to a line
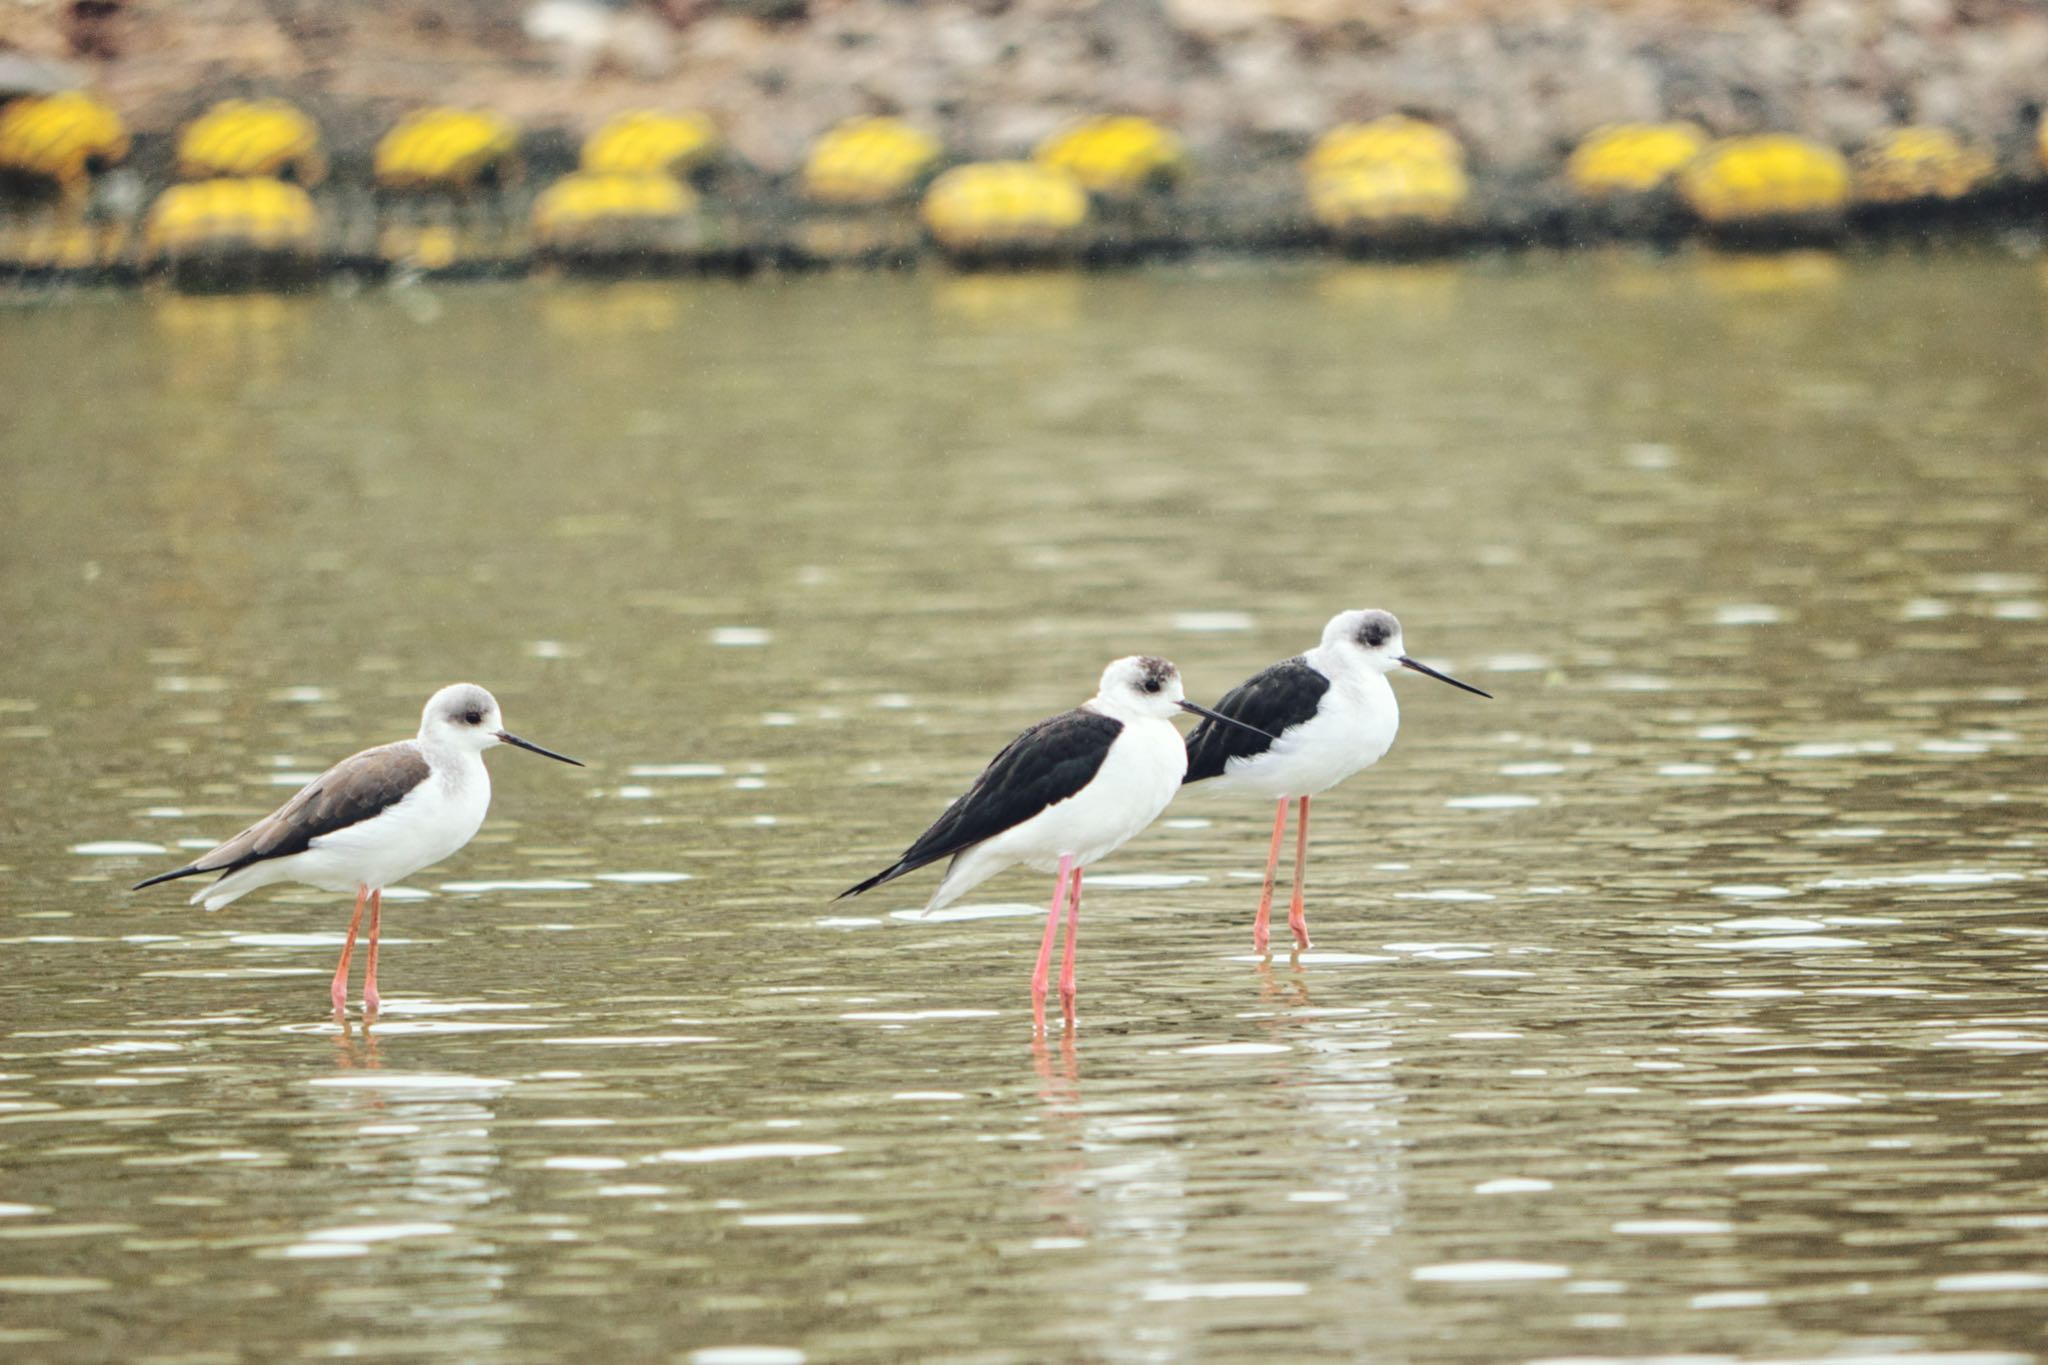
[473, 716]
[1151, 684]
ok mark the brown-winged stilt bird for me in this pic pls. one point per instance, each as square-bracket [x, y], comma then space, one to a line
[1331, 711]
[1067, 792]
[372, 819]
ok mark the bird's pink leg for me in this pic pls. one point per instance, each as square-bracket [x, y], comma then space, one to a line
[1052, 924]
[371, 1000]
[1297, 914]
[1260, 934]
[1067, 952]
[347, 951]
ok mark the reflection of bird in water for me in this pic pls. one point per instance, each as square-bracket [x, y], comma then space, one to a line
[372, 819]
[1304, 725]
[359, 1052]
[1067, 792]
[1292, 992]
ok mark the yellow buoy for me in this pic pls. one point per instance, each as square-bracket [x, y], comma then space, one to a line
[998, 206]
[1119, 154]
[451, 149]
[586, 203]
[1906, 164]
[1631, 158]
[1392, 138]
[648, 141]
[1746, 180]
[868, 161]
[63, 137]
[252, 137]
[255, 214]
[1365, 195]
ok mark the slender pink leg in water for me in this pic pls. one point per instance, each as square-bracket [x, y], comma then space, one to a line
[347, 951]
[1067, 954]
[1297, 915]
[1052, 924]
[1260, 934]
[371, 1000]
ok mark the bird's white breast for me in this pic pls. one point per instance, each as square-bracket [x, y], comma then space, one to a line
[1136, 781]
[1352, 729]
[435, 819]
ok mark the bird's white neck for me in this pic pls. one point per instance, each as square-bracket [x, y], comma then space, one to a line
[1115, 708]
[458, 763]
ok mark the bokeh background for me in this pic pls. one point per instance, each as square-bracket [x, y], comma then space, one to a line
[1681, 1003]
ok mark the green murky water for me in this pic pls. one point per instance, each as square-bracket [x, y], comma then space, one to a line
[1686, 1000]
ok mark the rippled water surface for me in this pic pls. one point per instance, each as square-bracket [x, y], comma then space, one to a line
[1687, 999]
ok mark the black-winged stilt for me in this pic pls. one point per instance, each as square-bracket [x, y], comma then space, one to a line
[1332, 712]
[1067, 792]
[372, 819]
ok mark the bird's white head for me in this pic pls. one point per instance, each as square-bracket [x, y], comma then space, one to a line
[1371, 639]
[1140, 685]
[464, 718]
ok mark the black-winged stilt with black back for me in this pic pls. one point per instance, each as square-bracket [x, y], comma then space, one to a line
[1066, 793]
[1329, 713]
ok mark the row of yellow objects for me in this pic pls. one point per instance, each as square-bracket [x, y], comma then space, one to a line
[1392, 168]
[246, 163]
[877, 160]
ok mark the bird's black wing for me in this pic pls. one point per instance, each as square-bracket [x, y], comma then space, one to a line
[350, 792]
[1284, 695]
[1046, 764]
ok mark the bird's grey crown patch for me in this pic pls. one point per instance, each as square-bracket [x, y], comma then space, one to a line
[466, 702]
[1376, 628]
[1154, 670]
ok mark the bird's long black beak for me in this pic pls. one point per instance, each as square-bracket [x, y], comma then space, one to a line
[550, 753]
[1426, 671]
[1205, 712]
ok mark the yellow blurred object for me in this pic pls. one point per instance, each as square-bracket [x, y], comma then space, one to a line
[253, 213]
[1044, 301]
[1632, 158]
[868, 161]
[1004, 205]
[1920, 163]
[1395, 138]
[252, 137]
[446, 149]
[1368, 194]
[2041, 139]
[1775, 175]
[64, 137]
[577, 205]
[648, 142]
[1119, 154]
[1776, 275]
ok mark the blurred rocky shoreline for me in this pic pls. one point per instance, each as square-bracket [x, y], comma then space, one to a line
[1242, 81]
[1262, 124]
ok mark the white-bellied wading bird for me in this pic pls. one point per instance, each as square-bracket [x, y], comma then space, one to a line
[371, 820]
[1067, 792]
[1332, 711]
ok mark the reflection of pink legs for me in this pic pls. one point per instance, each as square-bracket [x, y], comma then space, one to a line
[1067, 953]
[347, 951]
[1052, 924]
[370, 997]
[1260, 933]
[1297, 916]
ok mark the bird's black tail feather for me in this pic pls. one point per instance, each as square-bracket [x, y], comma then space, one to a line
[190, 870]
[887, 874]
